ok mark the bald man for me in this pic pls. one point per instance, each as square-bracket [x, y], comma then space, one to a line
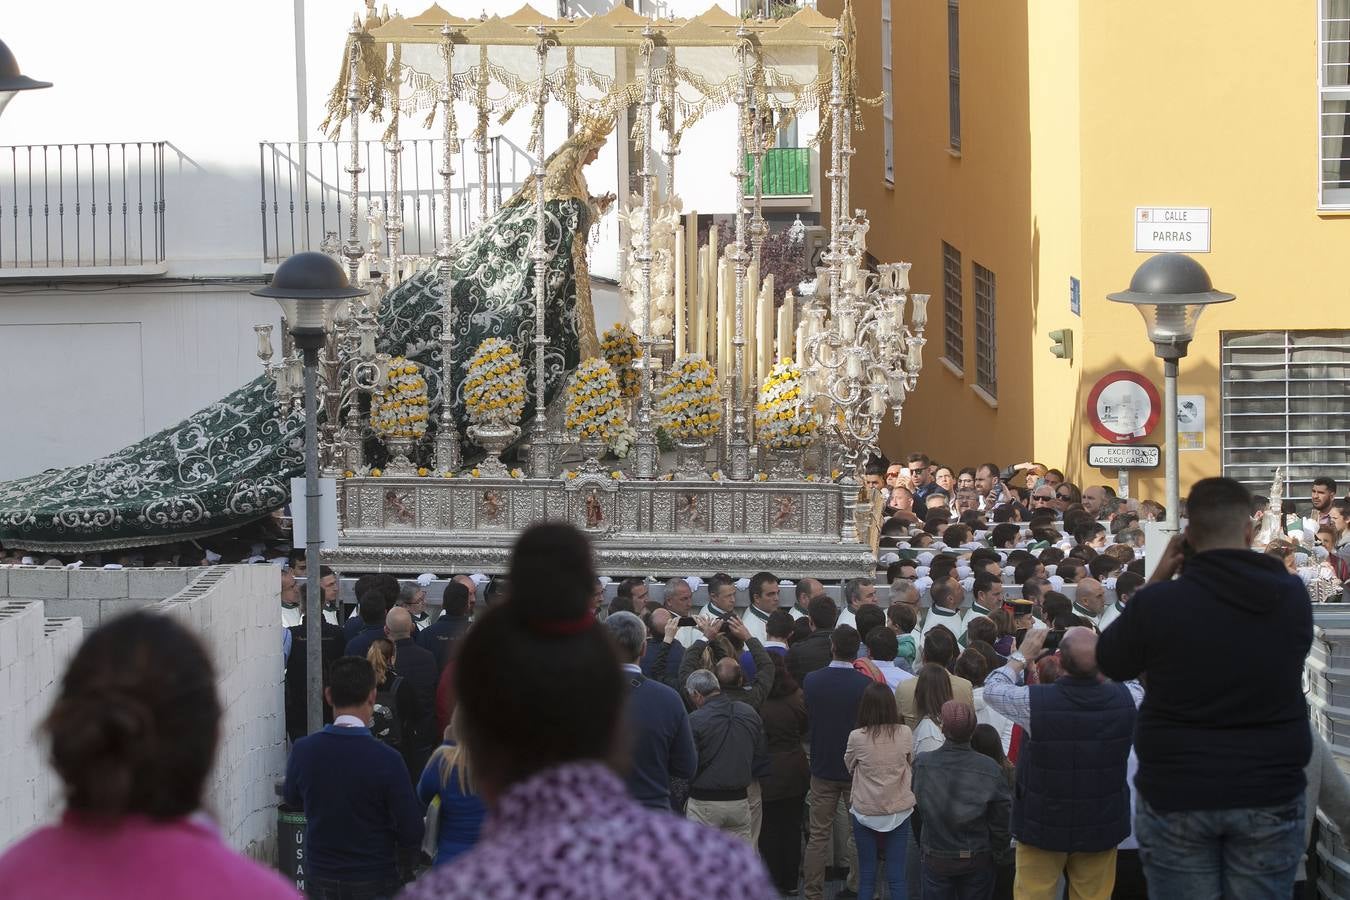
[418, 666]
[1064, 821]
[807, 589]
[1089, 601]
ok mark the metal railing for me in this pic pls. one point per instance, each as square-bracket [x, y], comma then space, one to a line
[78, 205]
[786, 172]
[306, 190]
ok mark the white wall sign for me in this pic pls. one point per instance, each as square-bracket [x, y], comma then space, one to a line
[1118, 456]
[328, 517]
[1191, 422]
[1171, 229]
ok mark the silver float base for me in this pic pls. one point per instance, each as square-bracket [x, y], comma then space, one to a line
[662, 528]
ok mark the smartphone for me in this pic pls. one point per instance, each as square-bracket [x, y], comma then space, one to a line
[688, 622]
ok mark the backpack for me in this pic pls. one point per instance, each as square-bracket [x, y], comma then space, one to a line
[385, 724]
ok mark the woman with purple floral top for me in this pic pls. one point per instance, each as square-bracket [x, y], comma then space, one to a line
[542, 697]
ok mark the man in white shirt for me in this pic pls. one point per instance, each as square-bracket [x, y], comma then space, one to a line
[808, 589]
[292, 611]
[882, 647]
[947, 595]
[1089, 601]
[1126, 585]
[988, 591]
[857, 592]
[764, 596]
[679, 599]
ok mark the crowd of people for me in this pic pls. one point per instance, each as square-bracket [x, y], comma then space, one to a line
[1008, 710]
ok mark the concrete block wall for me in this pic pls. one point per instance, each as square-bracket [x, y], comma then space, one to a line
[234, 611]
[34, 651]
[91, 595]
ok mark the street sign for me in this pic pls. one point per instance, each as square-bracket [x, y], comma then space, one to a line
[1171, 229]
[1123, 407]
[1116, 456]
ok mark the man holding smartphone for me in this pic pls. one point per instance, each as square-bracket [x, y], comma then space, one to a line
[1222, 743]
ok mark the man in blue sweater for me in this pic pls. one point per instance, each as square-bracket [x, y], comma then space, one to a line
[832, 697]
[372, 613]
[1222, 735]
[661, 742]
[360, 810]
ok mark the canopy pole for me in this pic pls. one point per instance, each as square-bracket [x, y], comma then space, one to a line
[668, 121]
[540, 452]
[738, 447]
[447, 434]
[481, 107]
[645, 446]
[353, 250]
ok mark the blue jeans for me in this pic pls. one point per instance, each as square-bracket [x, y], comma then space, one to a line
[1250, 853]
[870, 843]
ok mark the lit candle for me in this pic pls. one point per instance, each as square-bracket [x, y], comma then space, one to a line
[678, 263]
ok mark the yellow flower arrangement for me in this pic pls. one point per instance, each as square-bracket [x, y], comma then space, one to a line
[494, 386]
[400, 410]
[784, 420]
[689, 406]
[376, 473]
[620, 348]
[592, 409]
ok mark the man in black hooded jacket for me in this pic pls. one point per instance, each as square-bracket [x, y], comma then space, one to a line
[1222, 735]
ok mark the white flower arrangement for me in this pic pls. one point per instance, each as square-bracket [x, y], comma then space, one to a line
[494, 387]
[783, 418]
[689, 405]
[593, 409]
[621, 440]
[400, 410]
[620, 347]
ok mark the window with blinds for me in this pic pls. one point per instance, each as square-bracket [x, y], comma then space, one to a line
[954, 74]
[953, 335]
[1286, 402]
[1333, 88]
[986, 343]
[887, 100]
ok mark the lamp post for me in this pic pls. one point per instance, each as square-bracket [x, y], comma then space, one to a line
[11, 80]
[1170, 290]
[309, 287]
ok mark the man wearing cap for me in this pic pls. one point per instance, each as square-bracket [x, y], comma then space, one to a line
[1072, 804]
[763, 603]
[965, 799]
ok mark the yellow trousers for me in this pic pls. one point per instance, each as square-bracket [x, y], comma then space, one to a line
[1090, 876]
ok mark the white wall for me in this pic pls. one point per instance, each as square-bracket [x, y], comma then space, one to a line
[234, 611]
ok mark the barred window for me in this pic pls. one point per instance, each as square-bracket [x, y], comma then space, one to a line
[986, 343]
[953, 338]
[1333, 87]
[887, 101]
[954, 73]
[1286, 402]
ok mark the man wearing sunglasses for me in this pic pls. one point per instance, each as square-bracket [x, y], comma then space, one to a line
[1043, 498]
[921, 476]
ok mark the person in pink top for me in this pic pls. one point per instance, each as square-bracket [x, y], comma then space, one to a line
[133, 734]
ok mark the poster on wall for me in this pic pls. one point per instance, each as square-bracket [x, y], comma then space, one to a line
[1191, 422]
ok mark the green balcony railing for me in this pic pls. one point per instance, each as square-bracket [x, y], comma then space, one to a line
[786, 172]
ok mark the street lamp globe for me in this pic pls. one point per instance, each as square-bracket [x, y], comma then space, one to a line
[1170, 290]
[12, 80]
[309, 287]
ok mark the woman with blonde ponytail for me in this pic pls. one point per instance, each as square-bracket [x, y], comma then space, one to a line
[447, 790]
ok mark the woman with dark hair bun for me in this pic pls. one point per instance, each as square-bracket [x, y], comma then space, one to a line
[541, 697]
[133, 735]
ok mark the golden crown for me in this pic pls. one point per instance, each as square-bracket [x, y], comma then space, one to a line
[593, 130]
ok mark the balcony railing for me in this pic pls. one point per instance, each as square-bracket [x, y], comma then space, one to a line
[306, 190]
[66, 206]
[786, 172]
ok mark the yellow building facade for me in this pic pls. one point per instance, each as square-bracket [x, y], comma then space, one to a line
[1020, 152]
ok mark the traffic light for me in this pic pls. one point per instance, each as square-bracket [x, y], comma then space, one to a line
[1062, 343]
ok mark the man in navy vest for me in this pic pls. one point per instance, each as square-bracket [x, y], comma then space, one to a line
[1223, 734]
[1072, 804]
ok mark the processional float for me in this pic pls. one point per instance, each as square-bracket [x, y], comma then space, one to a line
[778, 486]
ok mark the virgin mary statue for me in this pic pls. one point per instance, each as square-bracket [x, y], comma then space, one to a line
[492, 282]
[232, 461]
